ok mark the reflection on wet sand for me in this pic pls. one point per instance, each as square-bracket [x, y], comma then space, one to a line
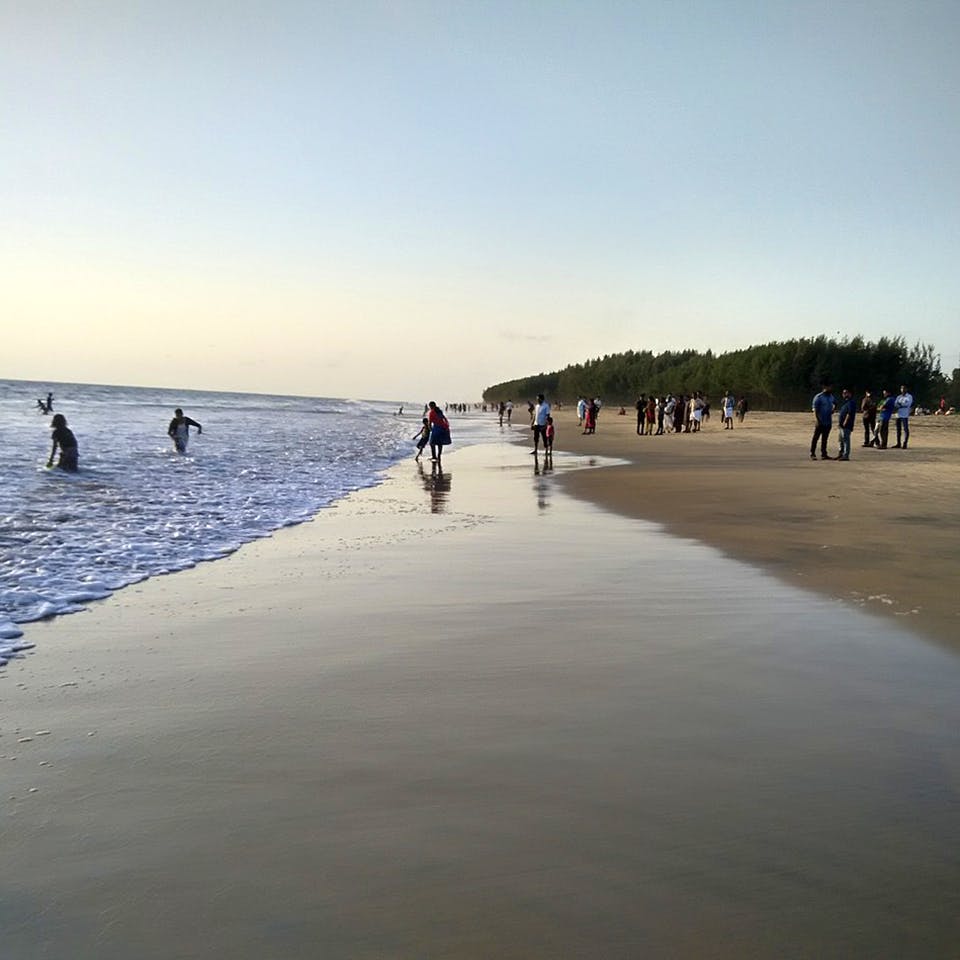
[540, 470]
[437, 484]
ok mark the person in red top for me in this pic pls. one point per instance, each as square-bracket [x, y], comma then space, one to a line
[548, 436]
[439, 431]
[650, 414]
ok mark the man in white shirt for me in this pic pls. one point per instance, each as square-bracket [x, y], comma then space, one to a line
[903, 406]
[540, 414]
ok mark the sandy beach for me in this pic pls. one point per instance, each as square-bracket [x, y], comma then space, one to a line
[472, 716]
[878, 531]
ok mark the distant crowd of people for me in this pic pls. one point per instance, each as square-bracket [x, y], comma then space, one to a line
[686, 413]
[683, 413]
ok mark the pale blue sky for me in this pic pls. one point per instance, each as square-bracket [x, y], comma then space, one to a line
[402, 199]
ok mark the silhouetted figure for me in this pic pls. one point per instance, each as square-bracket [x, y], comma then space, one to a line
[64, 439]
[179, 430]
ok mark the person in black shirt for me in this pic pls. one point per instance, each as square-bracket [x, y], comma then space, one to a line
[179, 430]
[64, 439]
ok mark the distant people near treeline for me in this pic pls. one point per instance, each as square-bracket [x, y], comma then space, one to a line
[874, 418]
[903, 405]
[728, 403]
[590, 416]
[777, 376]
[868, 417]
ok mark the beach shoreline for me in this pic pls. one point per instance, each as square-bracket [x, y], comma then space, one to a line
[466, 715]
[878, 532]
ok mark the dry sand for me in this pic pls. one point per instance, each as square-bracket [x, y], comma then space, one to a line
[474, 718]
[881, 530]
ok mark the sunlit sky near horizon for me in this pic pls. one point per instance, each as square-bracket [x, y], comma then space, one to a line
[402, 200]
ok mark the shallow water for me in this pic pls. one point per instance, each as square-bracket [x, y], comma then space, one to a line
[138, 509]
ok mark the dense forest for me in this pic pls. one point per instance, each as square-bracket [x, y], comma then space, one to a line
[774, 376]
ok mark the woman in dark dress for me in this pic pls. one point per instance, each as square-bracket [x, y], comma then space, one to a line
[64, 439]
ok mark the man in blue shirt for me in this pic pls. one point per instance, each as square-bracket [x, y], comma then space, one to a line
[823, 412]
[887, 406]
[846, 418]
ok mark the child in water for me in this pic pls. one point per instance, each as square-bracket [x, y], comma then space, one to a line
[548, 438]
[422, 438]
[64, 439]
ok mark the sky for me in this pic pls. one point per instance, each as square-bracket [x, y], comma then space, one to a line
[399, 200]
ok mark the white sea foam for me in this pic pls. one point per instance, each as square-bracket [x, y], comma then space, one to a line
[137, 509]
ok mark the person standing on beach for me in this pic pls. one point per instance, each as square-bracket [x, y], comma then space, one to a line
[728, 404]
[823, 413]
[549, 434]
[661, 402]
[887, 406]
[581, 410]
[590, 417]
[846, 420]
[179, 430]
[903, 404]
[668, 409]
[679, 414]
[501, 409]
[641, 406]
[539, 425]
[509, 412]
[650, 415]
[868, 416]
[696, 415]
[63, 438]
[439, 431]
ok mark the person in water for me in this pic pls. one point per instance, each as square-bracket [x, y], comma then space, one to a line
[64, 439]
[179, 430]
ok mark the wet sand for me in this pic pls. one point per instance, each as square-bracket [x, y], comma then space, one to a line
[879, 531]
[472, 718]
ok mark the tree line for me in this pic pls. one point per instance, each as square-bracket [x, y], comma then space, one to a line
[782, 375]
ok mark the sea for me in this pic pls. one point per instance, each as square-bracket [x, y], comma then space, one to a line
[138, 509]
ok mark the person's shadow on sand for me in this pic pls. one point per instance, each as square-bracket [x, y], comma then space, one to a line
[437, 484]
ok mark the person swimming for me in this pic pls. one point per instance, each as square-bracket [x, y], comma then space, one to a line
[179, 430]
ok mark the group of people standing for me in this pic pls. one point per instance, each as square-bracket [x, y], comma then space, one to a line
[587, 413]
[65, 441]
[684, 413]
[875, 417]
